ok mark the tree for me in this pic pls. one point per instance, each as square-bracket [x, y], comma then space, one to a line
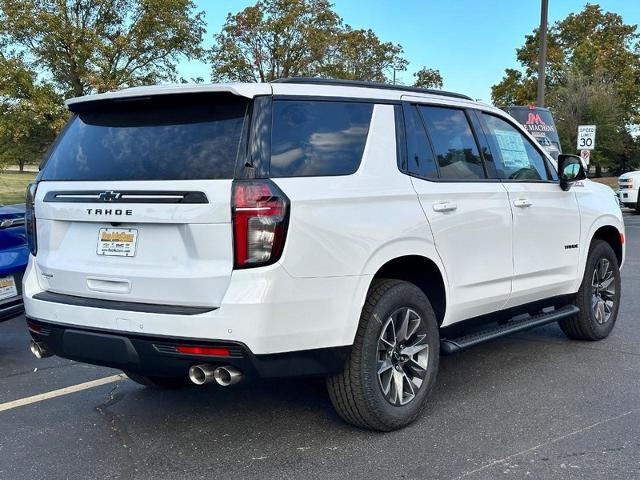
[287, 38]
[428, 78]
[86, 46]
[360, 55]
[589, 100]
[587, 42]
[31, 113]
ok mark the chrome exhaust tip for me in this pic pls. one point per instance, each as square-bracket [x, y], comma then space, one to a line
[226, 376]
[201, 374]
[39, 350]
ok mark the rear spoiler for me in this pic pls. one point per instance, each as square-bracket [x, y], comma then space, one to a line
[247, 90]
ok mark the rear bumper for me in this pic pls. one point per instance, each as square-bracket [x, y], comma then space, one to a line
[157, 355]
[265, 309]
[10, 309]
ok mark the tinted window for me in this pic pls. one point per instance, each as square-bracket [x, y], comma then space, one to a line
[318, 138]
[419, 154]
[169, 139]
[515, 156]
[455, 148]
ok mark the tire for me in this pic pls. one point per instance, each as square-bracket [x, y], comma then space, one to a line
[357, 393]
[158, 382]
[638, 204]
[596, 319]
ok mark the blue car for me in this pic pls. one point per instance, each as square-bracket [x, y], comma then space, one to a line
[14, 255]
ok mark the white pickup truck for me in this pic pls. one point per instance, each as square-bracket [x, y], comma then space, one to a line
[629, 184]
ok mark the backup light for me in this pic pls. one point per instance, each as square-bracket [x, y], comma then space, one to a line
[260, 213]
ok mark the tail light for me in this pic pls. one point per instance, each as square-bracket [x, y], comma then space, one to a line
[30, 218]
[260, 213]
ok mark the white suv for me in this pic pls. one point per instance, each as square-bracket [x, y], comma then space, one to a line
[629, 186]
[309, 227]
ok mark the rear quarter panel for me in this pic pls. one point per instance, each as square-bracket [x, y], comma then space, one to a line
[352, 225]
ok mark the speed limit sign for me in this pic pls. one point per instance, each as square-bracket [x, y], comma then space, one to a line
[586, 137]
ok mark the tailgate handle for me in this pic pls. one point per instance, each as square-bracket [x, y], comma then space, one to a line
[108, 285]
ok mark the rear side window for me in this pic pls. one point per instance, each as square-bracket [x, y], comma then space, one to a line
[175, 138]
[420, 161]
[318, 138]
[516, 157]
[455, 147]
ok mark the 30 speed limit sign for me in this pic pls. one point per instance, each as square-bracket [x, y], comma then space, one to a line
[586, 137]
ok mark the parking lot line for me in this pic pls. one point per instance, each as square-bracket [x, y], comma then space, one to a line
[60, 392]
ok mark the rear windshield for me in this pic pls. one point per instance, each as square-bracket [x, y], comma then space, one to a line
[179, 138]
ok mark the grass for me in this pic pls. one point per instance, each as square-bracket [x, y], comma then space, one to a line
[13, 186]
[610, 181]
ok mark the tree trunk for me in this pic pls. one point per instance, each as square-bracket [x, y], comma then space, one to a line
[598, 171]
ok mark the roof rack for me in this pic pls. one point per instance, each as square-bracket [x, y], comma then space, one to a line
[364, 84]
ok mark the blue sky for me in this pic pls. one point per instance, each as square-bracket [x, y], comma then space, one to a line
[470, 42]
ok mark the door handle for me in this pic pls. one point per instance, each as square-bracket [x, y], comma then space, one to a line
[522, 203]
[445, 206]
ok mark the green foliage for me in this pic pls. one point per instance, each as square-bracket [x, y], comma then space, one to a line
[428, 78]
[99, 45]
[592, 77]
[589, 100]
[588, 42]
[31, 113]
[287, 38]
[54, 49]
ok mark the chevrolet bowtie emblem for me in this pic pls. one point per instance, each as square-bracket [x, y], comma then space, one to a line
[109, 196]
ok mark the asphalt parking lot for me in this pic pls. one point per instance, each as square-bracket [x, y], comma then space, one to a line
[533, 405]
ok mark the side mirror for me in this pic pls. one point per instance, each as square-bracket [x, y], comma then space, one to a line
[571, 170]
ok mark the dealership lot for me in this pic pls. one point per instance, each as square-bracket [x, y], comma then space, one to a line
[531, 405]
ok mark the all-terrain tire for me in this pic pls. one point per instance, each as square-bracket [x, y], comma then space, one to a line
[585, 325]
[356, 392]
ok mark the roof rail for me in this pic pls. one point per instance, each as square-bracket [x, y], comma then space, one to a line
[364, 84]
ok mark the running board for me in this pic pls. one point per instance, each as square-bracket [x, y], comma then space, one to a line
[454, 345]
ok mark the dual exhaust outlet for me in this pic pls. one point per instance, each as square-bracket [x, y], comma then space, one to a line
[198, 374]
[223, 376]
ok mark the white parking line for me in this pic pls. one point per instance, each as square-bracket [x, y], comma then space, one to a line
[60, 392]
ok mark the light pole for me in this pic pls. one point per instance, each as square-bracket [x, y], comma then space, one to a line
[542, 53]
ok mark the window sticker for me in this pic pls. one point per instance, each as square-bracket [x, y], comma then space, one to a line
[514, 153]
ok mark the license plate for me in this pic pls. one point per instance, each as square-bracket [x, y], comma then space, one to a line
[117, 242]
[8, 287]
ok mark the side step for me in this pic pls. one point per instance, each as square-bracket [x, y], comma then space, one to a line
[454, 345]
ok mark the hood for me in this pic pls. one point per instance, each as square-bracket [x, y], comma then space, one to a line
[8, 212]
[634, 174]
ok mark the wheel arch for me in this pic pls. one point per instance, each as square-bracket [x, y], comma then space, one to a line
[609, 229]
[613, 237]
[422, 272]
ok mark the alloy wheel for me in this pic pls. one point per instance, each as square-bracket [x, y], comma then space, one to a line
[603, 285]
[403, 356]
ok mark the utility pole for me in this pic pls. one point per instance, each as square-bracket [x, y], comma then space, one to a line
[542, 54]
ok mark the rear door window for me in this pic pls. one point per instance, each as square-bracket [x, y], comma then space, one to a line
[516, 157]
[420, 159]
[172, 138]
[318, 138]
[455, 147]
